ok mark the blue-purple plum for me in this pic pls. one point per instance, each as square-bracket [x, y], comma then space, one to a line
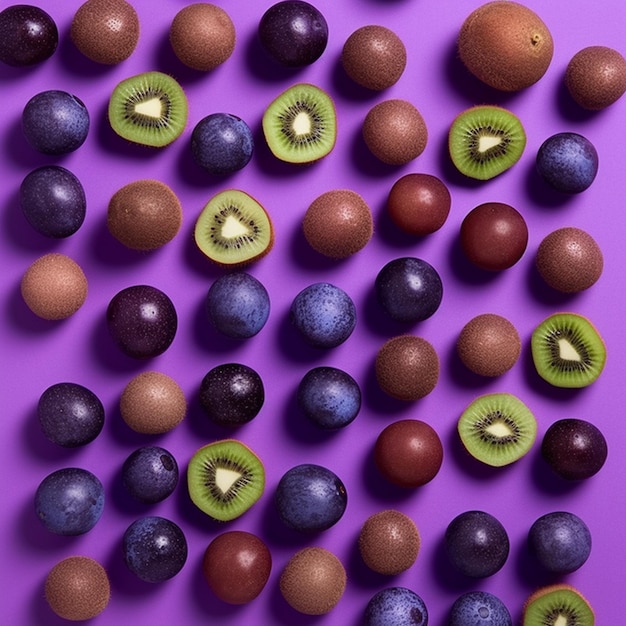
[479, 608]
[150, 474]
[28, 35]
[396, 606]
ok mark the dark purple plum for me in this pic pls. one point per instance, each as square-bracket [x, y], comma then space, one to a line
[53, 201]
[574, 448]
[155, 549]
[28, 35]
[409, 289]
[310, 498]
[329, 397]
[396, 606]
[560, 541]
[568, 162]
[222, 143]
[325, 315]
[232, 394]
[55, 122]
[142, 321]
[294, 33]
[150, 474]
[70, 415]
[69, 501]
[477, 544]
[479, 608]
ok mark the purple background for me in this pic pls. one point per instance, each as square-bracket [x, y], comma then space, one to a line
[37, 354]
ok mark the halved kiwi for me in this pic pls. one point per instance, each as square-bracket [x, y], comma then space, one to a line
[225, 478]
[300, 125]
[497, 429]
[558, 604]
[567, 350]
[485, 141]
[233, 229]
[149, 109]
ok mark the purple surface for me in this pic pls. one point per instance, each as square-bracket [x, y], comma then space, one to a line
[37, 354]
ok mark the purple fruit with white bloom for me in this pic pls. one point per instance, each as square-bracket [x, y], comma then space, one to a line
[28, 35]
[150, 474]
[479, 608]
[396, 606]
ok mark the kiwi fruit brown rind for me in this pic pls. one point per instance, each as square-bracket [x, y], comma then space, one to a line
[234, 229]
[560, 603]
[497, 429]
[485, 141]
[150, 109]
[567, 350]
[225, 478]
[300, 125]
[505, 45]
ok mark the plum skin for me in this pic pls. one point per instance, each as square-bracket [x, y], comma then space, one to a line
[28, 35]
[150, 474]
[393, 606]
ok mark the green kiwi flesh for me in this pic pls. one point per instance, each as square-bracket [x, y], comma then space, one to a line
[149, 109]
[497, 429]
[300, 125]
[485, 141]
[568, 351]
[558, 605]
[225, 478]
[233, 229]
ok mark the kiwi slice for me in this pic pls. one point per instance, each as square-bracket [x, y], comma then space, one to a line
[558, 604]
[233, 229]
[225, 478]
[485, 141]
[300, 125]
[497, 429]
[149, 109]
[568, 351]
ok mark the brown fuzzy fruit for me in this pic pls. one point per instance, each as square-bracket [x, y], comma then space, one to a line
[596, 77]
[505, 45]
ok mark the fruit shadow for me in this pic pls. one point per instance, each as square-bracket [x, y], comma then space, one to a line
[345, 88]
[547, 481]
[76, 62]
[465, 270]
[543, 293]
[464, 378]
[18, 151]
[529, 571]
[541, 195]
[568, 108]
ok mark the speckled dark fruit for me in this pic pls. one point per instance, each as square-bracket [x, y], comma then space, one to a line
[567, 162]
[389, 542]
[105, 31]
[479, 608]
[150, 474]
[396, 606]
[69, 501]
[70, 415]
[575, 449]
[374, 57]
[409, 289]
[569, 260]
[55, 122]
[154, 549]
[28, 35]
[395, 132]
[419, 204]
[313, 581]
[476, 544]
[494, 236]
[407, 367]
[142, 321]
[232, 394]
[408, 453]
[596, 77]
[237, 566]
[294, 33]
[310, 498]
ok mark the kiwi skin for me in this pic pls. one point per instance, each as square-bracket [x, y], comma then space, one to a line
[559, 594]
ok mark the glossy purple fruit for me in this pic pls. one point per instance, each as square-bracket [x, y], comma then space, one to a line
[232, 394]
[155, 549]
[69, 501]
[222, 143]
[294, 33]
[70, 415]
[28, 35]
[396, 606]
[568, 162]
[53, 201]
[575, 449]
[560, 541]
[479, 608]
[55, 122]
[142, 321]
[409, 289]
[150, 474]
[310, 498]
[476, 544]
